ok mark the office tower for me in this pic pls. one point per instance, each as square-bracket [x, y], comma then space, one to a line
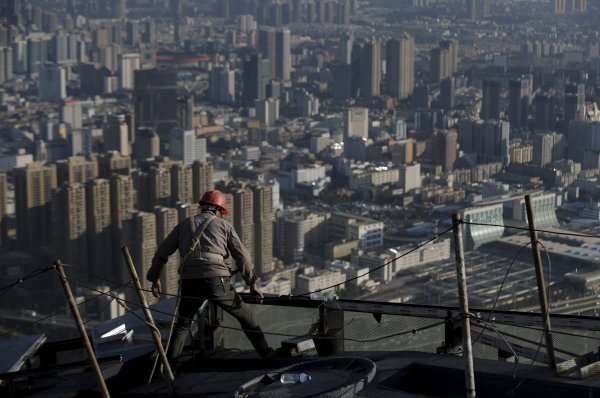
[20, 63]
[155, 98]
[243, 206]
[545, 112]
[370, 69]
[447, 93]
[547, 148]
[267, 47]
[185, 111]
[400, 67]
[574, 102]
[139, 234]
[283, 57]
[342, 75]
[116, 135]
[166, 220]
[6, 64]
[149, 35]
[445, 149]
[69, 224]
[478, 9]
[113, 162]
[444, 60]
[119, 9]
[559, 6]
[182, 189]
[356, 122]
[147, 144]
[76, 169]
[256, 76]
[72, 114]
[33, 194]
[99, 229]
[122, 198]
[518, 102]
[3, 211]
[108, 56]
[344, 54]
[409, 176]
[267, 111]
[133, 33]
[10, 11]
[490, 104]
[297, 232]
[80, 142]
[53, 83]
[263, 225]
[202, 175]
[222, 85]
[37, 55]
[128, 64]
[92, 76]
[184, 146]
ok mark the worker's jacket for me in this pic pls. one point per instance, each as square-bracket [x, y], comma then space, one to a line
[217, 240]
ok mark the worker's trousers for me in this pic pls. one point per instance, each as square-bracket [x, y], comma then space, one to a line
[217, 290]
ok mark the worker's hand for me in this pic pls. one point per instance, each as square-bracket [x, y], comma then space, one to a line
[255, 291]
[156, 288]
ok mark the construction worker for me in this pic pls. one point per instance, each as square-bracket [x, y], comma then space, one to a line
[204, 241]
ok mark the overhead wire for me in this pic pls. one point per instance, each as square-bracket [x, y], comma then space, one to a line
[33, 274]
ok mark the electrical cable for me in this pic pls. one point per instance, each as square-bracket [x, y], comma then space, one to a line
[35, 273]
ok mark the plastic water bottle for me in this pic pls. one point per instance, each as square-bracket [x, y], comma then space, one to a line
[294, 378]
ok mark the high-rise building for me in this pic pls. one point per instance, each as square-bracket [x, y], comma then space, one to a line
[447, 93]
[69, 224]
[6, 64]
[113, 162]
[71, 113]
[446, 149]
[256, 75]
[490, 105]
[444, 60]
[283, 57]
[263, 225]
[243, 205]
[147, 144]
[53, 83]
[370, 69]
[139, 234]
[166, 220]
[99, 227]
[119, 9]
[128, 64]
[76, 169]
[202, 180]
[478, 9]
[545, 112]
[547, 147]
[267, 48]
[116, 135]
[182, 189]
[400, 67]
[409, 176]
[155, 98]
[3, 193]
[267, 111]
[342, 90]
[184, 146]
[297, 232]
[356, 122]
[153, 187]
[559, 6]
[574, 102]
[222, 85]
[185, 111]
[33, 194]
[519, 93]
[344, 54]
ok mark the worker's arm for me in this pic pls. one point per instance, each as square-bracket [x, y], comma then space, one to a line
[165, 249]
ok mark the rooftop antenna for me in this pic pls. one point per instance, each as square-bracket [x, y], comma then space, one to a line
[463, 300]
[86, 340]
[539, 274]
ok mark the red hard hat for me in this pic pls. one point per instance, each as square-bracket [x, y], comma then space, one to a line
[215, 197]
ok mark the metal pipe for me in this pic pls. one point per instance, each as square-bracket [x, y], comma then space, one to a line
[148, 315]
[463, 300]
[539, 274]
[86, 340]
